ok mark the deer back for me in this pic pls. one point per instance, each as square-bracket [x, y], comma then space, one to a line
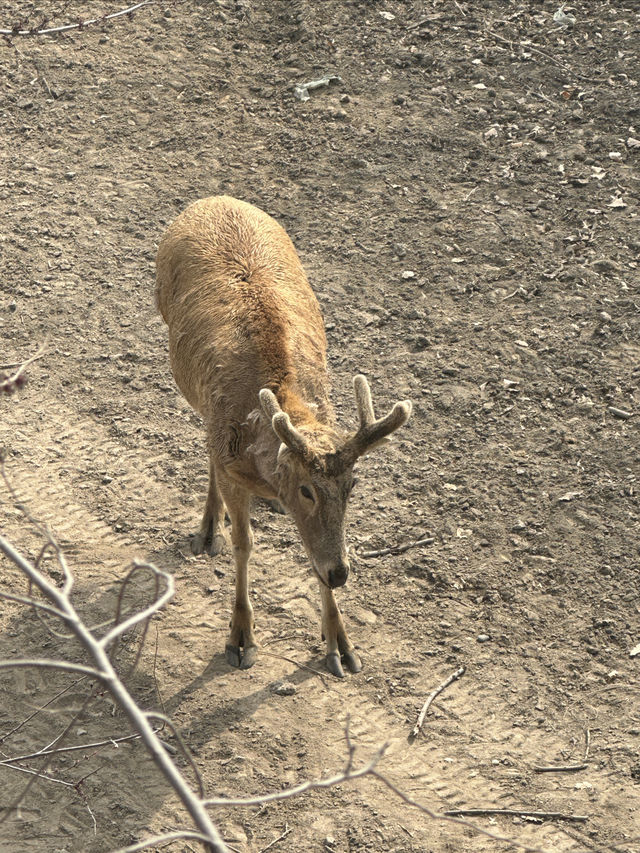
[239, 308]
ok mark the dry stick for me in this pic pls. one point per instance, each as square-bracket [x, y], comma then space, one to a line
[535, 49]
[587, 743]
[22, 365]
[423, 713]
[106, 673]
[459, 821]
[559, 768]
[297, 663]
[41, 708]
[568, 768]
[287, 830]
[397, 549]
[179, 835]
[79, 25]
[302, 788]
[519, 813]
[42, 752]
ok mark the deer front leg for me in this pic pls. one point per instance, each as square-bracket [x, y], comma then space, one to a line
[241, 636]
[334, 633]
[210, 537]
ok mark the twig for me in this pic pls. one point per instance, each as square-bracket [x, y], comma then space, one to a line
[183, 747]
[9, 383]
[620, 413]
[459, 821]
[310, 785]
[559, 768]
[41, 708]
[83, 746]
[587, 743]
[179, 835]
[397, 549]
[453, 677]
[537, 50]
[519, 813]
[79, 25]
[287, 830]
[105, 672]
[297, 663]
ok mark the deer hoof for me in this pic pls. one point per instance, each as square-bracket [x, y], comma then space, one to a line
[198, 541]
[249, 657]
[352, 660]
[232, 654]
[217, 545]
[334, 666]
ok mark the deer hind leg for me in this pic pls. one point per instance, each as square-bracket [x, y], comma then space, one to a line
[339, 646]
[211, 537]
[241, 648]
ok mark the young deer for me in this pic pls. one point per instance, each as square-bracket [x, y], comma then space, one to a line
[248, 351]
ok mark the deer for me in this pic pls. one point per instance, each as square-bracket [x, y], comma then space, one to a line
[247, 348]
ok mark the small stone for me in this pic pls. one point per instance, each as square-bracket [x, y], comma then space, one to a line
[483, 638]
[615, 155]
[633, 143]
[605, 265]
[284, 688]
[407, 274]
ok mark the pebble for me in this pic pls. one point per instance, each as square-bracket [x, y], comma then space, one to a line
[284, 688]
[483, 638]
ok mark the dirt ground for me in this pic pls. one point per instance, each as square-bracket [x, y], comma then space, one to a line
[465, 201]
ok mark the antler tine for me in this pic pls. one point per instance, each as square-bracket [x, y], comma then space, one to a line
[371, 432]
[363, 400]
[282, 426]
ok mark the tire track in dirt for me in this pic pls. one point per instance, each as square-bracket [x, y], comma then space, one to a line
[434, 773]
[50, 482]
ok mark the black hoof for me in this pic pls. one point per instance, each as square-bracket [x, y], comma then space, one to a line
[352, 660]
[216, 545]
[334, 666]
[197, 544]
[232, 654]
[249, 657]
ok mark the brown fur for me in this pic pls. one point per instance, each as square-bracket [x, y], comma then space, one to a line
[242, 318]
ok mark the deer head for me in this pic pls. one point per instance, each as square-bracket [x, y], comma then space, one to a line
[314, 473]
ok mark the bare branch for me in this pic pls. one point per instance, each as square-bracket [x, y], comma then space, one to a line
[8, 384]
[123, 627]
[178, 835]
[31, 602]
[43, 663]
[168, 722]
[79, 25]
[423, 713]
[41, 708]
[297, 790]
[77, 747]
[451, 819]
[520, 813]
[105, 672]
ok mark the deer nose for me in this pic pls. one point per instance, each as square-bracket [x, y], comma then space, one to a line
[338, 576]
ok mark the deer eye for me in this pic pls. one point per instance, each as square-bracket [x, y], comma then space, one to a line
[306, 493]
